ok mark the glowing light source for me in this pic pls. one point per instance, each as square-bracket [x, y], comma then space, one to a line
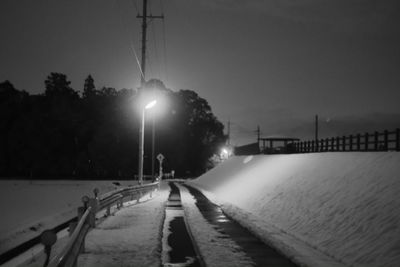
[225, 153]
[151, 104]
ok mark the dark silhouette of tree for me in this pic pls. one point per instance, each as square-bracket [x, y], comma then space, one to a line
[61, 135]
[89, 90]
[203, 133]
[58, 85]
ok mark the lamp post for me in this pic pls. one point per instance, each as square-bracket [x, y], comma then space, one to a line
[141, 140]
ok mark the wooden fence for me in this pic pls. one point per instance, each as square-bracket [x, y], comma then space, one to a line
[377, 141]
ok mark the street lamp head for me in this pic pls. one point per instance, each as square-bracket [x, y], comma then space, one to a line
[151, 104]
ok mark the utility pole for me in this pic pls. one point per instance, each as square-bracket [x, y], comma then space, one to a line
[316, 127]
[145, 19]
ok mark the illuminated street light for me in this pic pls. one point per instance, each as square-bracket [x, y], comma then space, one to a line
[151, 104]
[226, 152]
[141, 140]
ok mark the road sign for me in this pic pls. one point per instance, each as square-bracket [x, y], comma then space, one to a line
[160, 157]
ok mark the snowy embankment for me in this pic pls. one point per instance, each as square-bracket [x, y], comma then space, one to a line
[30, 207]
[322, 209]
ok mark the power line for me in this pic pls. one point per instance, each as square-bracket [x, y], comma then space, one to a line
[155, 47]
[145, 19]
[135, 5]
[130, 37]
[154, 44]
[164, 44]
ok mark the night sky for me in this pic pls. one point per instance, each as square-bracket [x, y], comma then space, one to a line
[272, 63]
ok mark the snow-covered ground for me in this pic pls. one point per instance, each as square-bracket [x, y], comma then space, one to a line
[323, 209]
[29, 207]
[130, 238]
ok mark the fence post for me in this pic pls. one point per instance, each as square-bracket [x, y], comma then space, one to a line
[312, 146]
[316, 145]
[366, 141]
[397, 139]
[337, 143]
[386, 138]
[351, 142]
[332, 145]
[358, 142]
[326, 144]
[376, 140]
[92, 215]
[344, 143]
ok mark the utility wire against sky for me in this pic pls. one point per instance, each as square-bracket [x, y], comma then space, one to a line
[164, 43]
[130, 37]
[158, 60]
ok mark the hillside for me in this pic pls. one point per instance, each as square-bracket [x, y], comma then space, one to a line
[344, 206]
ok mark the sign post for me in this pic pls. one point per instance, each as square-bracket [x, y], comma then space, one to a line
[160, 158]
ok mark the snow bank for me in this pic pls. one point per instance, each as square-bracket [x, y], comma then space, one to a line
[341, 205]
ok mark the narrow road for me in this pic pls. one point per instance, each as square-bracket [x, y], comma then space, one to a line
[260, 253]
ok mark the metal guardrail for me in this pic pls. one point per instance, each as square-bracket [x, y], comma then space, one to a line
[70, 253]
[87, 214]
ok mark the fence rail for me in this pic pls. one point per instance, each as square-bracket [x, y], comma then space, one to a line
[383, 141]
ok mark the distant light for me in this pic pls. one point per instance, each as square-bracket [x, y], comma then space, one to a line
[151, 104]
[225, 153]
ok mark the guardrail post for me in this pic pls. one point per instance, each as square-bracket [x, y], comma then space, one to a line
[48, 238]
[366, 141]
[72, 225]
[92, 215]
[120, 202]
[108, 210]
[96, 192]
[397, 139]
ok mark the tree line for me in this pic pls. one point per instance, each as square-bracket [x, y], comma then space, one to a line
[62, 134]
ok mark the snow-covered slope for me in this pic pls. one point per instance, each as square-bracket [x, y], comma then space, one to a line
[345, 205]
